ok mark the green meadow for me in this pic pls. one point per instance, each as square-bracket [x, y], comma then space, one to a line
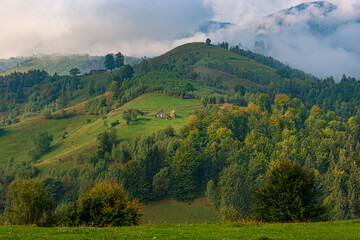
[76, 134]
[223, 230]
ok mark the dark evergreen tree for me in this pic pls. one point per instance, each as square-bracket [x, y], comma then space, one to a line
[288, 194]
[109, 62]
[119, 60]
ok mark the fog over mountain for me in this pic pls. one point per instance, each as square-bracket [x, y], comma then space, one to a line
[318, 37]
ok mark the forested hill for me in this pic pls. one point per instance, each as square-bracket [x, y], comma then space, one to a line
[60, 64]
[234, 69]
[214, 74]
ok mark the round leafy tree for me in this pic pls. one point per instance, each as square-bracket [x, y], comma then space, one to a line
[29, 203]
[288, 194]
[107, 204]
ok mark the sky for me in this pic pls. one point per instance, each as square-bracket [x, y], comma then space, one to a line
[149, 28]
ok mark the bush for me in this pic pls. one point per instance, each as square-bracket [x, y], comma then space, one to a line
[29, 203]
[113, 124]
[288, 194]
[107, 204]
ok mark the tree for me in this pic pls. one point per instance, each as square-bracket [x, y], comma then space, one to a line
[29, 203]
[126, 72]
[106, 141]
[208, 41]
[161, 182]
[288, 194]
[233, 190]
[119, 60]
[109, 62]
[130, 115]
[263, 101]
[74, 71]
[40, 144]
[106, 204]
[185, 169]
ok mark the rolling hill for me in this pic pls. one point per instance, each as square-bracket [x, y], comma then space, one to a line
[57, 63]
[78, 133]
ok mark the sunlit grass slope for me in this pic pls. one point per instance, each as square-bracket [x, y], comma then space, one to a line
[205, 54]
[80, 132]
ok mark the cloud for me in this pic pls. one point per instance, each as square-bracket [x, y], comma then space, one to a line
[150, 28]
[327, 48]
[135, 27]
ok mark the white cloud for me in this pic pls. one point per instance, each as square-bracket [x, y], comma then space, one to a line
[334, 53]
[140, 27]
[135, 27]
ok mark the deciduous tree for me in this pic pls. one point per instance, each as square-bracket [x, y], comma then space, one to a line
[29, 203]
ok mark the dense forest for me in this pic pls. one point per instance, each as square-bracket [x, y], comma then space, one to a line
[223, 152]
[270, 115]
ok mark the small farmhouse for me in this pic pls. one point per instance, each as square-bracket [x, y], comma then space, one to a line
[161, 114]
[97, 70]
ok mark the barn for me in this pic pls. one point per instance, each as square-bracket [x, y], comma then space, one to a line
[161, 114]
[97, 70]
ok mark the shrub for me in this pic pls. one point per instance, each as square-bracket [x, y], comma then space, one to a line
[113, 124]
[107, 204]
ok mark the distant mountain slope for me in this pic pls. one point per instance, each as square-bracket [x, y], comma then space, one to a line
[314, 14]
[61, 64]
[211, 26]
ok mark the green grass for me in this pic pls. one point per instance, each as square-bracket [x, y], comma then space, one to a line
[82, 135]
[15, 141]
[248, 231]
[205, 54]
[170, 211]
[158, 101]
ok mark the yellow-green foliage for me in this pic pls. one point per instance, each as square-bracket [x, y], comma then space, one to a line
[29, 203]
[106, 204]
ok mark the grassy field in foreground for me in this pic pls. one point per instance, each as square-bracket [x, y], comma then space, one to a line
[328, 230]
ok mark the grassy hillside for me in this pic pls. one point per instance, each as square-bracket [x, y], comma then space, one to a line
[156, 101]
[81, 131]
[252, 231]
[61, 64]
[219, 64]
